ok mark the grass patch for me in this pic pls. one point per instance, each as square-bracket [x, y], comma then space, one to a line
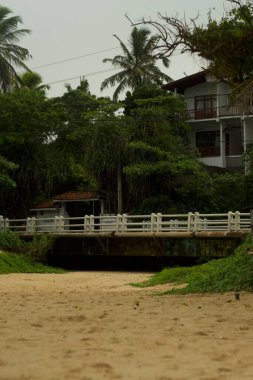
[21, 263]
[20, 256]
[233, 273]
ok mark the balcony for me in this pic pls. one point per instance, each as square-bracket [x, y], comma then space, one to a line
[206, 107]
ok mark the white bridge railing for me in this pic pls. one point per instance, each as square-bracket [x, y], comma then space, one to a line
[153, 223]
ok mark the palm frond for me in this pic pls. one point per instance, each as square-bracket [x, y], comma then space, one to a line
[121, 87]
[11, 55]
[112, 80]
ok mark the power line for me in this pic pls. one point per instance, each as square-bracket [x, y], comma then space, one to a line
[73, 58]
[80, 76]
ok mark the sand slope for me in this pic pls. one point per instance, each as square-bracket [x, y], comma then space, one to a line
[88, 325]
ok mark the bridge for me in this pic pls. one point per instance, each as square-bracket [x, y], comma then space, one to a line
[131, 237]
[189, 225]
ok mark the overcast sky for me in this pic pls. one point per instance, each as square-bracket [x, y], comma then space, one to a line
[64, 29]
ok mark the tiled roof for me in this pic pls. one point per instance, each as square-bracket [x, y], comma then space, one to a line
[77, 196]
[45, 204]
[68, 196]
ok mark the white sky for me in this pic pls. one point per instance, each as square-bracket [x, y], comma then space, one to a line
[63, 29]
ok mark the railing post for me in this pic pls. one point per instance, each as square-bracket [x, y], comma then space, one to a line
[230, 221]
[92, 224]
[124, 222]
[153, 222]
[56, 224]
[159, 222]
[33, 225]
[87, 223]
[237, 220]
[190, 222]
[6, 223]
[118, 223]
[196, 221]
[28, 224]
[61, 224]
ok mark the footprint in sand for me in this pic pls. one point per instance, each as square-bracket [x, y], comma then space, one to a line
[107, 368]
[77, 318]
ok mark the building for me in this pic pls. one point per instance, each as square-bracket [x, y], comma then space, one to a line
[220, 131]
[72, 204]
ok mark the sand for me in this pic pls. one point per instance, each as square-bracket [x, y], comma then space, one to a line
[92, 325]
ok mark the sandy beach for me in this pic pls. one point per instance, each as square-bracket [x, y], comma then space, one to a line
[93, 325]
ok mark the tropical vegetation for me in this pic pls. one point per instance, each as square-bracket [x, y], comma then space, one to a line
[19, 256]
[224, 46]
[135, 152]
[12, 55]
[137, 64]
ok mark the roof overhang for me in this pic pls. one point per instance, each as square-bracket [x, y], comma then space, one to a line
[180, 85]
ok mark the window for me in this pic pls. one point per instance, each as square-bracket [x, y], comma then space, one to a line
[208, 143]
[205, 106]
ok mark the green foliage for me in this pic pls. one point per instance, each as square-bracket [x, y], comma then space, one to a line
[31, 80]
[36, 250]
[229, 192]
[19, 263]
[234, 273]
[6, 168]
[158, 157]
[225, 44]
[10, 241]
[28, 125]
[12, 55]
[160, 203]
[39, 247]
[137, 64]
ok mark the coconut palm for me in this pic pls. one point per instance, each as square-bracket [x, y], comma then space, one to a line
[11, 55]
[32, 81]
[137, 64]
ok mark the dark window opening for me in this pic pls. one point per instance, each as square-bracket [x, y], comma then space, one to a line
[208, 143]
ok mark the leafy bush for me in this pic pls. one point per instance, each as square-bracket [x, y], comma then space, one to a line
[160, 203]
[39, 247]
[10, 241]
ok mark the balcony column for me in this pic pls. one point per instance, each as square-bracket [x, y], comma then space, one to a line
[244, 142]
[244, 134]
[218, 100]
[222, 146]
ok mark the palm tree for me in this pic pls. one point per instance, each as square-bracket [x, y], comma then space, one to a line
[32, 81]
[137, 63]
[11, 55]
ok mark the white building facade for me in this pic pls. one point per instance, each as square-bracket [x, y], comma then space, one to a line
[220, 131]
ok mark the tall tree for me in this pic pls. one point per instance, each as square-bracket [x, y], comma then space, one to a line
[93, 141]
[137, 64]
[28, 125]
[32, 81]
[11, 54]
[159, 162]
[224, 44]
